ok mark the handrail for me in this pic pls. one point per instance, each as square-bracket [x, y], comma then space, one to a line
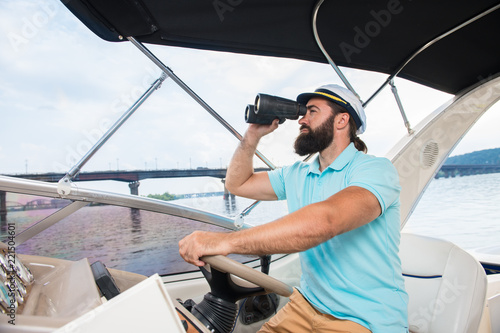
[33, 187]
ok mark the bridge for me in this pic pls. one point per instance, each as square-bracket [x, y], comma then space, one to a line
[452, 170]
[132, 177]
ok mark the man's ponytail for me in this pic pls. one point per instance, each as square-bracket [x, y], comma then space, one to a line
[359, 144]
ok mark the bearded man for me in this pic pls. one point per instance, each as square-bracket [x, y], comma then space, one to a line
[343, 220]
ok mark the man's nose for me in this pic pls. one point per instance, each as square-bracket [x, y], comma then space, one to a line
[304, 119]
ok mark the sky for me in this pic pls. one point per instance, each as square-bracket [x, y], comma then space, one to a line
[61, 87]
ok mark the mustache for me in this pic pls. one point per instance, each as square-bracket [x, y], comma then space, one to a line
[304, 127]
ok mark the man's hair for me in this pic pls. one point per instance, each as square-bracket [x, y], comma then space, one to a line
[358, 143]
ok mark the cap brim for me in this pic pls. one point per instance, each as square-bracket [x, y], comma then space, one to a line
[305, 97]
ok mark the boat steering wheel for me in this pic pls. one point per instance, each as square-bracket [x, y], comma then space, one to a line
[218, 310]
[265, 281]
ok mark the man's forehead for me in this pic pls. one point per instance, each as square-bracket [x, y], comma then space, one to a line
[317, 102]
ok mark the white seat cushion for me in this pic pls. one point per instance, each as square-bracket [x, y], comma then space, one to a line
[446, 285]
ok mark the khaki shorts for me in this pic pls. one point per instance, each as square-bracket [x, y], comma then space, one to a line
[299, 316]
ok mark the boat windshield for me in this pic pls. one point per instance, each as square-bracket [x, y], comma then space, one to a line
[129, 239]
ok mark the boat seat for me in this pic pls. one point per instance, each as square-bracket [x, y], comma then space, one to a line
[445, 284]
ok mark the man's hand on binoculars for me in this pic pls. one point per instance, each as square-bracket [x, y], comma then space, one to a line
[258, 130]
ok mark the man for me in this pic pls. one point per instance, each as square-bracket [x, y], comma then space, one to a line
[344, 220]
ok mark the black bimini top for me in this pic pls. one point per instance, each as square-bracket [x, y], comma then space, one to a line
[365, 34]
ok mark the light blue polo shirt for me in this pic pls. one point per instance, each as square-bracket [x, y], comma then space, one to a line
[356, 275]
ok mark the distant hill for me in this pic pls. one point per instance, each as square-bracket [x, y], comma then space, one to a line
[487, 156]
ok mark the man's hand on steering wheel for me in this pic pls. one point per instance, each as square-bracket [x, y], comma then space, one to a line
[202, 243]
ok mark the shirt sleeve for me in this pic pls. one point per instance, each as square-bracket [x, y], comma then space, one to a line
[380, 177]
[277, 179]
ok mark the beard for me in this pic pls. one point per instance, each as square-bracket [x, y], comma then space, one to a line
[315, 140]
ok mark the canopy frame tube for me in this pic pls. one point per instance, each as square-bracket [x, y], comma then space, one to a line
[194, 96]
[427, 45]
[327, 56]
[239, 220]
[64, 186]
[401, 108]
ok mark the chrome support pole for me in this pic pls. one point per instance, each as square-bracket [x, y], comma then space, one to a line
[49, 221]
[427, 45]
[327, 56]
[193, 95]
[400, 106]
[239, 221]
[66, 180]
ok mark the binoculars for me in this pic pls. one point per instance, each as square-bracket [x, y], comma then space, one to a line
[267, 108]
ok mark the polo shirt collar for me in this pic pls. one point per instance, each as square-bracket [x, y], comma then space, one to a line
[340, 162]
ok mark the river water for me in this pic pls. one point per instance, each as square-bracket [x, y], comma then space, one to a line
[463, 210]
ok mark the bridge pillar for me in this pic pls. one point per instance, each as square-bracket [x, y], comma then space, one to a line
[229, 198]
[134, 187]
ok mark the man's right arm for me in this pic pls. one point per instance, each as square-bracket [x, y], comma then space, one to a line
[241, 179]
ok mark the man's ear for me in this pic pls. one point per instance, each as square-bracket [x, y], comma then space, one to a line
[342, 120]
